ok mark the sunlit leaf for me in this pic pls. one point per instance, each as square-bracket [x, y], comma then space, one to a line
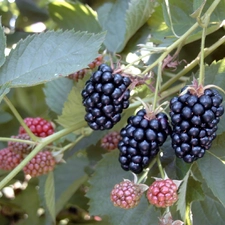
[47, 56]
[2, 44]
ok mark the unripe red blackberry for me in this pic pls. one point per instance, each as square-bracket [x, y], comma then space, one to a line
[105, 95]
[194, 116]
[111, 140]
[38, 126]
[141, 139]
[126, 194]
[79, 75]
[42, 163]
[96, 62]
[162, 193]
[19, 147]
[9, 159]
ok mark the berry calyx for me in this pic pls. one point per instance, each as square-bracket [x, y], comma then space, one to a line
[42, 163]
[162, 193]
[38, 126]
[126, 194]
[111, 140]
[9, 159]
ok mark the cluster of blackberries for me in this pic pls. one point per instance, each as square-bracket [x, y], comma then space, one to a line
[105, 95]
[194, 120]
[141, 139]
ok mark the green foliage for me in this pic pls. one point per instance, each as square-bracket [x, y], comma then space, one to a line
[48, 40]
[56, 93]
[99, 193]
[75, 16]
[47, 56]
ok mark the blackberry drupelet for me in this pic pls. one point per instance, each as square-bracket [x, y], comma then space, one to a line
[141, 139]
[105, 95]
[194, 119]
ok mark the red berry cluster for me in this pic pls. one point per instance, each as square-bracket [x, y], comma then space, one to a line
[79, 75]
[111, 140]
[126, 195]
[162, 193]
[15, 152]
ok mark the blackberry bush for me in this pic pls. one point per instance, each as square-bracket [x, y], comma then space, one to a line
[141, 139]
[105, 95]
[194, 117]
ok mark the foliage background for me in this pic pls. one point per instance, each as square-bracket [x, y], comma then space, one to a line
[78, 191]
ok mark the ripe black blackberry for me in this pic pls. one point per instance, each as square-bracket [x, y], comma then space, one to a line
[141, 139]
[105, 95]
[194, 117]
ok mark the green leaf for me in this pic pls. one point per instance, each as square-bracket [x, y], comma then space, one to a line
[69, 177]
[212, 169]
[181, 203]
[47, 56]
[5, 117]
[218, 146]
[194, 190]
[198, 6]
[108, 173]
[209, 211]
[75, 16]
[2, 44]
[50, 195]
[136, 16]
[73, 111]
[122, 26]
[56, 93]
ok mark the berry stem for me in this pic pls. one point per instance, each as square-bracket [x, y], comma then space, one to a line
[18, 140]
[158, 82]
[145, 174]
[160, 167]
[70, 145]
[44, 142]
[182, 38]
[20, 119]
[202, 67]
[194, 63]
[171, 47]
[187, 215]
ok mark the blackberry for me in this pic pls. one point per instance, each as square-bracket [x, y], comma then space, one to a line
[42, 163]
[111, 140]
[162, 193]
[126, 194]
[19, 147]
[141, 139]
[38, 126]
[194, 117]
[105, 95]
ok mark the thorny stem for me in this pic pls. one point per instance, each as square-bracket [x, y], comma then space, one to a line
[44, 142]
[160, 167]
[20, 119]
[207, 51]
